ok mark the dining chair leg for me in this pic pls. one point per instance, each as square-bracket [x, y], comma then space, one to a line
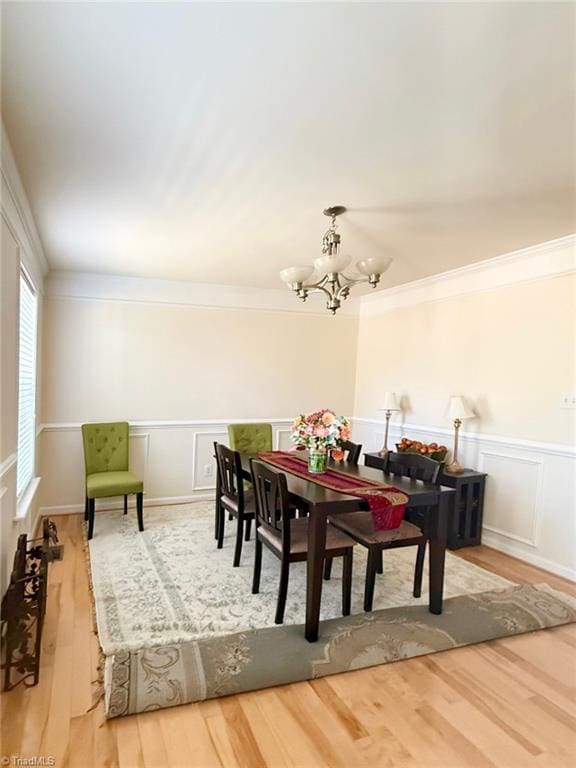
[248, 529]
[257, 566]
[371, 568]
[217, 518]
[380, 563]
[238, 548]
[86, 506]
[125, 503]
[282, 592]
[347, 582]
[419, 569]
[220, 526]
[91, 511]
[140, 510]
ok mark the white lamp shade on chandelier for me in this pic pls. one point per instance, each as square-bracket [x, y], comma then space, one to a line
[373, 266]
[292, 275]
[331, 263]
[390, 402]
[457, 409]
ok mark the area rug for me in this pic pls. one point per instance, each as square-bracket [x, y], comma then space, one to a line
[177, 623]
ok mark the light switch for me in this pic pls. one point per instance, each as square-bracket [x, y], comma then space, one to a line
[568, 401]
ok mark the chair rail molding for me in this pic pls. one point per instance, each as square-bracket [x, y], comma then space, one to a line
[7, 464]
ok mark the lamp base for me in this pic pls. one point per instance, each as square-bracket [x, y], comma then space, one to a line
[383, 452]
[454, 469]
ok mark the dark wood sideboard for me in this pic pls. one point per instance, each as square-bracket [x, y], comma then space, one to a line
[465, 523]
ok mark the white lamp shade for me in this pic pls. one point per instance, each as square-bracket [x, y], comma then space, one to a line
[373, 266]
[296, 274]
[390, 402]
[328, 263]
[457, 409]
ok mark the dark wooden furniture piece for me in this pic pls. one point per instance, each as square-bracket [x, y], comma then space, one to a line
[287, 537]
[465, 522]
[232, 497]
[467, 508]
[359, 524]
[352, 451]
[320, 502]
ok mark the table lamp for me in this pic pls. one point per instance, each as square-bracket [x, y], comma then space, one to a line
[457, 412]
[389, 405]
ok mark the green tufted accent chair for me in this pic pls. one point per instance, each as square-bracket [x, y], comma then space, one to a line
[107, 473]
[250, 438]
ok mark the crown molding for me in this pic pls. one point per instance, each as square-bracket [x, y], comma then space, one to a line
[96, 287]
[18, 216]
[537, 262]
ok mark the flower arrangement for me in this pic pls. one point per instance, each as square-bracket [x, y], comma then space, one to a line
[320, 431]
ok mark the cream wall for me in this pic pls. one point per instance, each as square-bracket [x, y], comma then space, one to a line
[511, 351]
[179, 374]
[143, 361]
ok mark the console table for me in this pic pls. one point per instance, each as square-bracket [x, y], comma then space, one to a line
[466, 506]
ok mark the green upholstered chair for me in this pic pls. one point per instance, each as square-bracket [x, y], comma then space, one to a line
[250, 438]
[107, 472]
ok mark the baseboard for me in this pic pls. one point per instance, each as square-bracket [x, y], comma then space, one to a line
[509, 548]
[75, 509]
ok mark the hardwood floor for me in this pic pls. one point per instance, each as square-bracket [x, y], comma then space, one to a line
[506, 703]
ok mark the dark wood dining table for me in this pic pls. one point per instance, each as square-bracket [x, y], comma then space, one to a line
[320, 502]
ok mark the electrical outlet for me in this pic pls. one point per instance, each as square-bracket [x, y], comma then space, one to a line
[208, 470]
[568, 401]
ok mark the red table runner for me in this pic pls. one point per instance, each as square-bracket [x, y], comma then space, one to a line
[387, 503]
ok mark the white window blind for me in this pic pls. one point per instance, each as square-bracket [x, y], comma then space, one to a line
[26, 385]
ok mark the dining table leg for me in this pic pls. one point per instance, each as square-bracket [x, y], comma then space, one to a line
[314, 568]
[437, 549]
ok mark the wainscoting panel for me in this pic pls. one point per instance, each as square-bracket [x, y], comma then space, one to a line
[530, 490]
[512, 498]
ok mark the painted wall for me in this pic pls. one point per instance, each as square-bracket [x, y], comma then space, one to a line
[179, 374]
[511, 352]
[109, 360]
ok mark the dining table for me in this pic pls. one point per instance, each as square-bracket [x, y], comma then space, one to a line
[319, 502]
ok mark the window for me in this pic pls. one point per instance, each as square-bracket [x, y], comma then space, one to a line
[26, 385]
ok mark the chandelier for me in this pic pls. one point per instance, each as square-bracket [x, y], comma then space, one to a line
[335, 284]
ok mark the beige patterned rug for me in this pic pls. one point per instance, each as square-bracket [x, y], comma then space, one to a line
[178, 624]
[170, 583]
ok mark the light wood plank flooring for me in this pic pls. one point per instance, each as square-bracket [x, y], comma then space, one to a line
[506, 703]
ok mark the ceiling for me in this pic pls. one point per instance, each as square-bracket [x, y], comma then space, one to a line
[201, 141]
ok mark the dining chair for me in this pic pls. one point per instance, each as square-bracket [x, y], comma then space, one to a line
[250, 438]
[107, 472]
[287, 537]
[352, 452]
[360, 527]
[233, 498]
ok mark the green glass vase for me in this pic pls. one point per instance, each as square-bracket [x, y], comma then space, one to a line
[317, 461]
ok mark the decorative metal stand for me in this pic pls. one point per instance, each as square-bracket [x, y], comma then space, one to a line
[24, 605]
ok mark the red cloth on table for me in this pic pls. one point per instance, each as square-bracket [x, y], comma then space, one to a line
[387, 503]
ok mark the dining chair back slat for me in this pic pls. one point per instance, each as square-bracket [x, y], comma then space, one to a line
[272, 504]
[230, 473]
[352, 451]
[414, 466]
